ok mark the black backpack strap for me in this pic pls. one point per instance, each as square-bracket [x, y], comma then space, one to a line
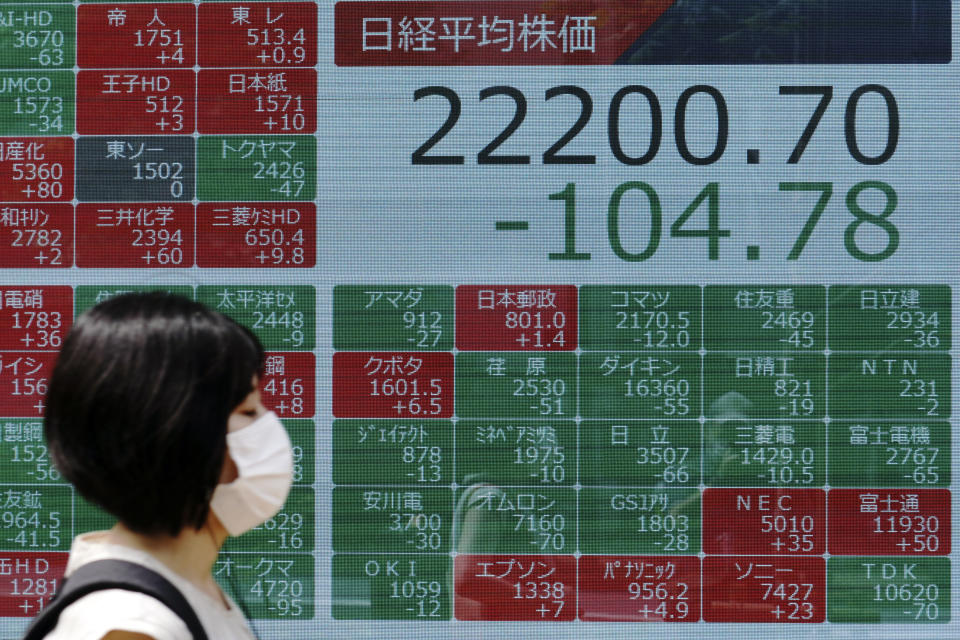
[114, 574]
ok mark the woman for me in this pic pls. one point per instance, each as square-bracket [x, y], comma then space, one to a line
[154, 414]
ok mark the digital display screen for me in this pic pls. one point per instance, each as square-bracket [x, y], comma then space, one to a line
[592, 317]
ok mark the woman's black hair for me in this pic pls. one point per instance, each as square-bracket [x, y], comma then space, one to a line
[136, 414]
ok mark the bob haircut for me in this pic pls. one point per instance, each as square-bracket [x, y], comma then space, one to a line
[138, 402]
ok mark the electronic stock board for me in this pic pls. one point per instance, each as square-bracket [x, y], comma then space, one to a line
[589, 317]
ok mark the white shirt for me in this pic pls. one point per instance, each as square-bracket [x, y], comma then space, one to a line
[94, 615]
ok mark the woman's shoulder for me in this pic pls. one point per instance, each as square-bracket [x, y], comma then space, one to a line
[121, 606]
[95, 615]
[96, 545]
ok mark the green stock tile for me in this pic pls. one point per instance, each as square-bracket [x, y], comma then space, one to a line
[890, 454]
[391, 587]
[404, 452]
[36, 103]
[633, 385]
[393, 318]
[536, 453]
[392, 519]
[492, 519]
[764, 385]
[36, 518]
[888, 590]
[765, 317]
[640, 521]
[293, 529]
[37, 36]
[516, 385]
[636, 453]
[266, 168]
[283, 317]
[890, 386]
[23, 453]
[890, 318]
[764, 453]
[303, 437]
[270, 586]
[639, 317]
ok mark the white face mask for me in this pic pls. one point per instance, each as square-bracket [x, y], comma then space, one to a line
[264, 458]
